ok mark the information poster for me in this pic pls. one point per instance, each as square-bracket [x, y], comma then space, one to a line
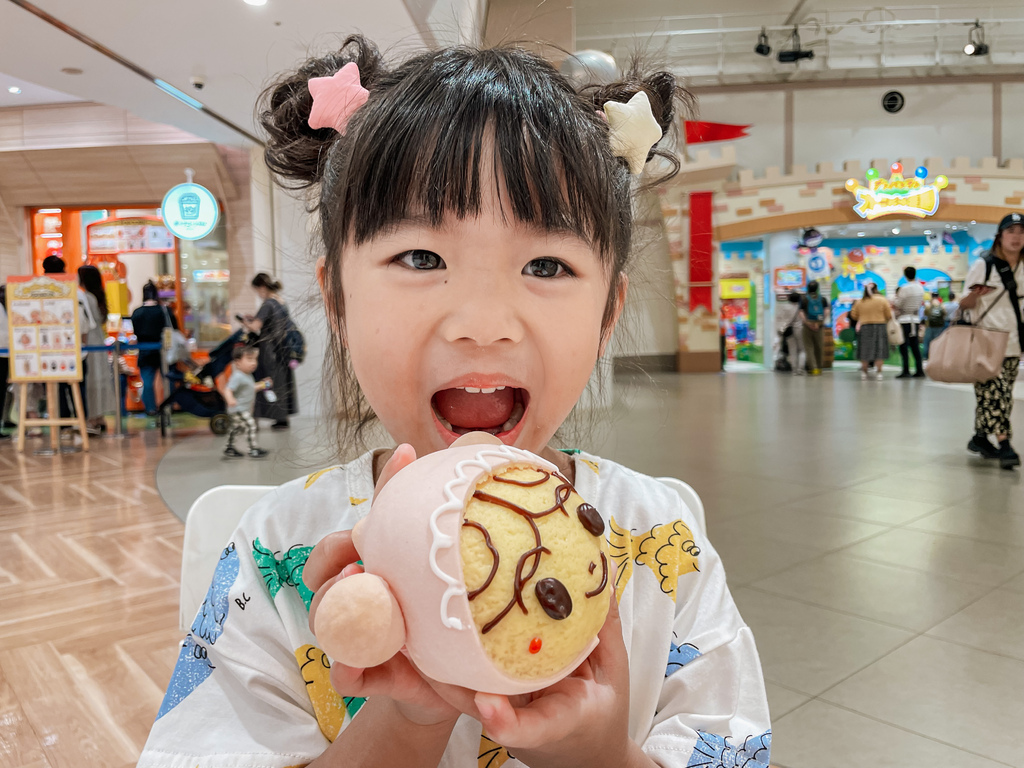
[44, 341]
[135, 235]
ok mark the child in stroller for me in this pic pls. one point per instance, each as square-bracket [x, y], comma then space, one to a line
[195, 391]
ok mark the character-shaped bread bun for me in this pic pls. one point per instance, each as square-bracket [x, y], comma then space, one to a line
[484, 563]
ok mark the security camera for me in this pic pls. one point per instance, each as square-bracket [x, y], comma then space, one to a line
[198, 81]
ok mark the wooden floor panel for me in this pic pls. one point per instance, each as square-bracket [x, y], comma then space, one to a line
[88, 603]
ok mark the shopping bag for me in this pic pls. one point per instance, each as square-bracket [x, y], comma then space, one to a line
[895, 332]
[965, 354]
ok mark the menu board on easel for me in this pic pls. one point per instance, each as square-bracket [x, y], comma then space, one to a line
[44, 342]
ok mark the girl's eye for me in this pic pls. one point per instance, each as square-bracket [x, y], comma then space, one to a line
[545, 268]
[421, 260]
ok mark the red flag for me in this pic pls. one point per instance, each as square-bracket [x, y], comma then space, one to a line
[700, 133]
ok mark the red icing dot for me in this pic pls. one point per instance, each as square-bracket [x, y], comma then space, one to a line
[535, 645]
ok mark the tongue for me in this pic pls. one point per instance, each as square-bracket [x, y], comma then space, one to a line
[475, 411]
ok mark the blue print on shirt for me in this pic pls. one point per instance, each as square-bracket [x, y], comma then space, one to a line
[193, 665]
[679, 656]
[209, 622]
[714, 751]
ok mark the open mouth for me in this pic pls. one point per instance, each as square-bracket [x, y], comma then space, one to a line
[496, 410]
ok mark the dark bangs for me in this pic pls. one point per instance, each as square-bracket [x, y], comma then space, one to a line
[416, 149]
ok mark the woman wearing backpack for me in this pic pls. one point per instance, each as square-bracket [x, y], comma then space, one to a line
[995, 283]
[272, 324]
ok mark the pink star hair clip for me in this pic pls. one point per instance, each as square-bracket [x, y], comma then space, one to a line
[336, 99]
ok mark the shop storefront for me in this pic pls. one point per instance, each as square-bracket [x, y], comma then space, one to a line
[130, 246]
[843, 228]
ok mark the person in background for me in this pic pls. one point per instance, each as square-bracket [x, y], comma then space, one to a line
[935, 321]
[952, 306]
[101, 381]
[812, 317]
[871, 314]
[149, 322]
[270, 324]
[993, 281]
[787, 323]
[240, 396]
[54, 265]
[4, 362]
[909, 300]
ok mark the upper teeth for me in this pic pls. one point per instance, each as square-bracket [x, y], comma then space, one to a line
[481, 390]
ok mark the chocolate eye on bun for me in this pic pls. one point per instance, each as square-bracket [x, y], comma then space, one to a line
[499, 570]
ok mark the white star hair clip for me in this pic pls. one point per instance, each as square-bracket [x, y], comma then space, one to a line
[633, 130]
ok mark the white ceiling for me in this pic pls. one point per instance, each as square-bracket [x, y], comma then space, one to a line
[237, 47]
[31, 94]
[711, 42]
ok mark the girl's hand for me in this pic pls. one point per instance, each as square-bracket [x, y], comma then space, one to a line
[334, 558]
[581, 720]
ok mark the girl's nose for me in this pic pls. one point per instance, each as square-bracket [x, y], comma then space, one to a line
[484, 312]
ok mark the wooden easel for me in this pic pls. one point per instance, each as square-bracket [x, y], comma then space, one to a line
[53, 420]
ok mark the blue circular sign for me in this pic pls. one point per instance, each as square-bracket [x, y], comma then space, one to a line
[190, 211]
[817, 264]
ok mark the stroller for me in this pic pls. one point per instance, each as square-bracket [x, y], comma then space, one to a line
[195, 392]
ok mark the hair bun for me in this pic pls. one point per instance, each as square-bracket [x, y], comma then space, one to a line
[294, 151]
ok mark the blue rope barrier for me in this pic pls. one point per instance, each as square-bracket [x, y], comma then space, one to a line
[145, 346]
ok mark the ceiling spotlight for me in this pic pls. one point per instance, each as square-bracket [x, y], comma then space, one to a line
[797, 53]
[895, 230]
[976, 45]
[927, 231]
[255, 2]
[861, 234]
[14, 89]
[762, 48]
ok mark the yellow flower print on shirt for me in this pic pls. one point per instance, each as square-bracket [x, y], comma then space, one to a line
[310, 479]
[669, 550]
[492, 754]
[328, 706]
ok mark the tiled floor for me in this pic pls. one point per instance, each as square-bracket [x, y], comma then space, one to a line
[881, 567]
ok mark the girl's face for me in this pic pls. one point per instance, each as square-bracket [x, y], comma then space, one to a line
[484, 323]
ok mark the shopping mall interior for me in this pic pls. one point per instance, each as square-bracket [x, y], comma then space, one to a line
[849, 562]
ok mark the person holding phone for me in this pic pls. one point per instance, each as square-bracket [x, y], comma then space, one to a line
[995, 283]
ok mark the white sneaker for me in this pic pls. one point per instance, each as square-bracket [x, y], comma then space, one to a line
[878, 376]
[863, 375]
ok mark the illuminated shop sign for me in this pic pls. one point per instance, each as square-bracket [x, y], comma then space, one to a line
[897, 195]
[190, 211]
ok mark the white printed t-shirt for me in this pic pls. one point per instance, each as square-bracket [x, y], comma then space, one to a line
[995, 305]
[251, 687]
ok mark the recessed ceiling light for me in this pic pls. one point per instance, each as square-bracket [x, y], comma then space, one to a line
[955, 227]
[973, 221]
[255, 2]
[861, 234]
[71, 71]
[927, 231]
[895, 230]
[14, 89]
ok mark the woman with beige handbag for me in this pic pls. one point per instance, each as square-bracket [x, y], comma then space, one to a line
[994, 294]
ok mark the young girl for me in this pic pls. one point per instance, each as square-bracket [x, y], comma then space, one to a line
[476, 217]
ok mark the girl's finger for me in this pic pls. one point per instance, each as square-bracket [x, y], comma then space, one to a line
[395, 678]
[327, 559]
[542, 721]
[609, 660]
[348, 570]
[403, 456]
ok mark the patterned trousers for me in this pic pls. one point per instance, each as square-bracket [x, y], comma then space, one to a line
[242, 422]
[995, 401]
